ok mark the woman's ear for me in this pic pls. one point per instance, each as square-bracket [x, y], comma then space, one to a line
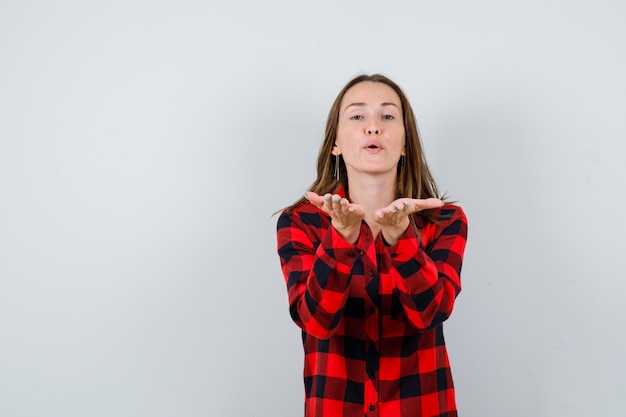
[336, 150]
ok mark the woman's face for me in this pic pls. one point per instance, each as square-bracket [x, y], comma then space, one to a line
[370, 132]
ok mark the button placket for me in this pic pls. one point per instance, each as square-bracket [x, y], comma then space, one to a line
[370, 272]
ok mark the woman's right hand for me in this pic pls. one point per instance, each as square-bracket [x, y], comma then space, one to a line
[346, 217]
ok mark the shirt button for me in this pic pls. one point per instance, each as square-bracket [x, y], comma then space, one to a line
[371, 376]
[372, 310]
[372, 273]
[372, 408]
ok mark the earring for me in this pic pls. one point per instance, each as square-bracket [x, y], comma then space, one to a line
[337, 167]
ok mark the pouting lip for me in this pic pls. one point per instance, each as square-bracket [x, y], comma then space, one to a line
[373, 144]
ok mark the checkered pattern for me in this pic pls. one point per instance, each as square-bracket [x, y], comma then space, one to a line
[371, 315]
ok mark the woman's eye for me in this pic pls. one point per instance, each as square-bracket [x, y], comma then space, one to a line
[388, 117]
[357, 117]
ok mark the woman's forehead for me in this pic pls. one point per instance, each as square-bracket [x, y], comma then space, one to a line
[368, 92]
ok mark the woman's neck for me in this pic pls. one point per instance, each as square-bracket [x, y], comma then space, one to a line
[372, 192]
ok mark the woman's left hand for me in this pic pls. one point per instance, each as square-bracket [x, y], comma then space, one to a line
[394, 219]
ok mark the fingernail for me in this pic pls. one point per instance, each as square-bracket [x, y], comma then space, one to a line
[394, 210]
[335, 199]
[343, 202]
[327, 197]
[305, 197]
[351, 210]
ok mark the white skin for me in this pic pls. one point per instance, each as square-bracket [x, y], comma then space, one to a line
[371, 140]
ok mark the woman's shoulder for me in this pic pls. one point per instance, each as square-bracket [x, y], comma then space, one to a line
[448, 220]
[305, 214]
[449, 210]
[442, 216]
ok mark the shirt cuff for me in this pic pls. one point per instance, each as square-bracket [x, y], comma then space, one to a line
[407, 246]
[335, 247]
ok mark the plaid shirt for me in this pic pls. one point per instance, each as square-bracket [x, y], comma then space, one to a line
[371, 315]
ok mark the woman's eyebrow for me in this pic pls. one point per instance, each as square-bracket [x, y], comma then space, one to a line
[363, 104]
[354, 105]
[390, 104]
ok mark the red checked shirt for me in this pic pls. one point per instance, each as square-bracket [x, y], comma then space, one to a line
[371, 315]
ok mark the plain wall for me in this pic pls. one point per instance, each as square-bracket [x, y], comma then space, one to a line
[144, 146]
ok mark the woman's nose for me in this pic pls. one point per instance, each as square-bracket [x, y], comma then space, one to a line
[372, 128]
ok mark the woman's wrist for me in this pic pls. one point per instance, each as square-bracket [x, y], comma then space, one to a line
[393, 234]
[350, 233]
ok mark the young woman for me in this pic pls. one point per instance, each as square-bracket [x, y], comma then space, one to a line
[372, 260]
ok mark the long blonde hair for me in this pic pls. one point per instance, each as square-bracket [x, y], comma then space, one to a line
[414, 179]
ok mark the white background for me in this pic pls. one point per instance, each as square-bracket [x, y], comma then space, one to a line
[144, 146]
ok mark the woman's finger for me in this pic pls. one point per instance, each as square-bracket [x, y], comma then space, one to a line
[428, 203]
